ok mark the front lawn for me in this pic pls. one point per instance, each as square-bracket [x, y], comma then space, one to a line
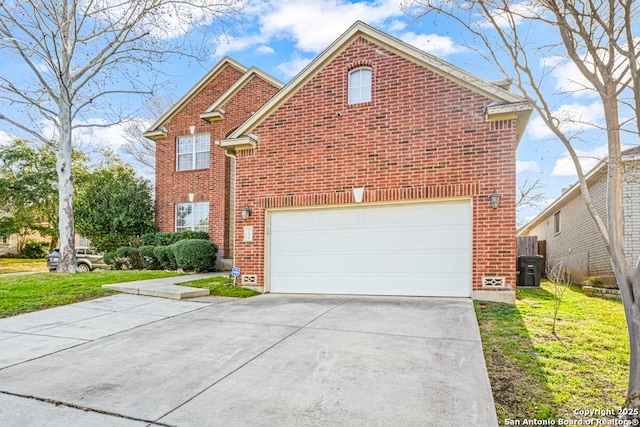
[221, 286]
[537, 375]
[23, 294]
[19, 265]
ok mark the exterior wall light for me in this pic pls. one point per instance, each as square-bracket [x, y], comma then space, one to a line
[246, 212]
[494, 200]
[191, 197]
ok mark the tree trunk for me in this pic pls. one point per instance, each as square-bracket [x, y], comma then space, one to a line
[619, 261]
[66, 228]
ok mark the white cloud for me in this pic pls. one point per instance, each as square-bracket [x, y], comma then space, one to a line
[433, 43]
[567, 76]
[310, 24]
[528, 165]
[296, 19]
[265, 50]
[519, 12]
[228, 44]
[573, 118]
[588, 159]
[6, 138]
[293, 66]
[397, 25]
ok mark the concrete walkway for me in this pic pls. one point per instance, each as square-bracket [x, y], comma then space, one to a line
[166, 287]
[285, 360]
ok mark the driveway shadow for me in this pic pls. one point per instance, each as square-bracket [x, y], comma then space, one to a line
[517, 377]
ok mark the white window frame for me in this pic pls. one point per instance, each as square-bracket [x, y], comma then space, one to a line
[360, 91]
[556, 223]
[196, 207]
[193, 151]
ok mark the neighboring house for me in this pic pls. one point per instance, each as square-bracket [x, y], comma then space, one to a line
[570, 233]
[371, 172]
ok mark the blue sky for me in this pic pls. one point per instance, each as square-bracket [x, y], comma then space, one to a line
[282, 36]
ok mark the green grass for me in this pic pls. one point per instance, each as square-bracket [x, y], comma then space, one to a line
[19, 265]
[536, 374]
[23, 294]
[221, 286]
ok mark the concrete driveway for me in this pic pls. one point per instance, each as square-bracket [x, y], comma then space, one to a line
[272, 360]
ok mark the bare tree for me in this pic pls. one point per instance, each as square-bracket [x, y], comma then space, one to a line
[84, 57]
[598, 40]
[529, 194]
[143, 150]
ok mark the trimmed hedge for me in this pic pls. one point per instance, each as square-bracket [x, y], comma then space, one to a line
[195, 254]
[149, 260]
[169, 238]
[166, 258]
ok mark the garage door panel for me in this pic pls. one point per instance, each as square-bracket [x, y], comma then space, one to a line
[343, 262]
[412, 249]
[447, 286]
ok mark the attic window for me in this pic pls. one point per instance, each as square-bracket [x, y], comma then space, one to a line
[360, 86]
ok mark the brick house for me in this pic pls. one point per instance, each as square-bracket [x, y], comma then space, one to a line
[371, 172]
[193, 177]
[571, 235]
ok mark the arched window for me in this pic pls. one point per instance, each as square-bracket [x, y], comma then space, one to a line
[360, 85]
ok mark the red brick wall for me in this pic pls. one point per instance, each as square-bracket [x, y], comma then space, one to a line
[210, 184]
[421, 137]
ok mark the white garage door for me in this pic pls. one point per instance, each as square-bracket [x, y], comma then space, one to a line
[411, 249]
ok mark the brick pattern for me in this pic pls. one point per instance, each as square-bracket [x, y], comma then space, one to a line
[210, 184]
[422, 136]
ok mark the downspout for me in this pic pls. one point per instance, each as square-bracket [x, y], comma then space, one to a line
[232, 204]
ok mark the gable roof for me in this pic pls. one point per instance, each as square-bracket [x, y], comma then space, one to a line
[574, 190]
[215, 110]
[507, 102]
[154, 129]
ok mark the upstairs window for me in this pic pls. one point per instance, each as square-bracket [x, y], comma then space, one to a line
[360, 86]
[193, 152]
[192, 216]
[556, 222]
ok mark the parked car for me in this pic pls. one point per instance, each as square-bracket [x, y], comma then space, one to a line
[87, 259]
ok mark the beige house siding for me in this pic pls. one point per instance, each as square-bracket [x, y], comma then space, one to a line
[578, 245]
[8, 245]
[631, 205]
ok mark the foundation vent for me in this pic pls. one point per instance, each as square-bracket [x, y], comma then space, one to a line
[493, 282]
[249, 279]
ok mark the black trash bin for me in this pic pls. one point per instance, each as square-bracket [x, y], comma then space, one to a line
[529, 270]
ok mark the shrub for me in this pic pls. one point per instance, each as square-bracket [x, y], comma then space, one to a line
[166, 258]
[127, 258]
[34, 250]
[149, 260]
[168, 238]
[195, 254]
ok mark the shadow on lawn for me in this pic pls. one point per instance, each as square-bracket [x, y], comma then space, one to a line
[518, 380]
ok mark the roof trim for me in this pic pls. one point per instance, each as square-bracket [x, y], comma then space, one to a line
[360, 29]
[235, 88]
[224, 62]
[242, 142]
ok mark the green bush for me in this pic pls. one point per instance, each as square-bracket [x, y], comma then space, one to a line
[126, 258]
[195, 254]
[34, 250]
[166, 258]
[149, 260]
[108, 257]
[168, 238]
